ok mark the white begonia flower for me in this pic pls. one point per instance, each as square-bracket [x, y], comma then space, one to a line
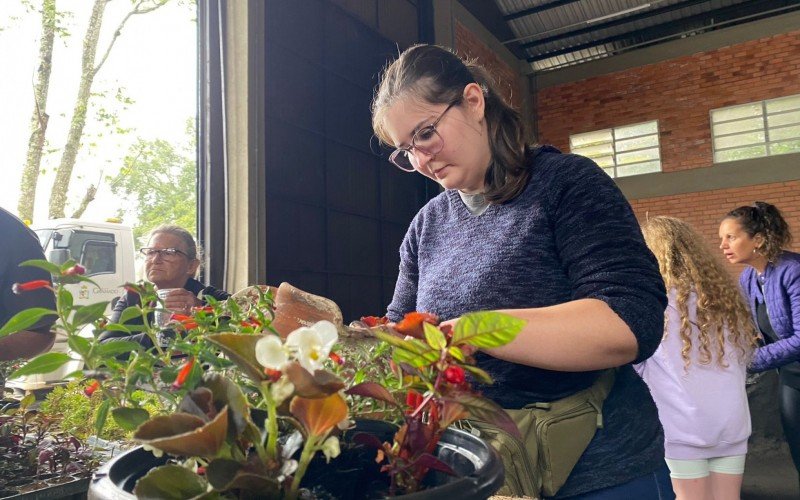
[311, 346]
[271, 353]
[330, 448]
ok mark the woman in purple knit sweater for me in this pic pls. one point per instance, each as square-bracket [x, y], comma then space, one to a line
[697, 375]
[757, 236]
[537, 234]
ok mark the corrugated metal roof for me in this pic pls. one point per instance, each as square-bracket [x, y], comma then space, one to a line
[565, 32]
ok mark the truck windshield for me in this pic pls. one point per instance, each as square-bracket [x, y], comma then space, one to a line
[44, 236]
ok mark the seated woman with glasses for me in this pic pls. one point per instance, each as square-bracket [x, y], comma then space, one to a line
[171, 263]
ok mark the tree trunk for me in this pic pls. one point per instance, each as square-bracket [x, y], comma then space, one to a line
[30, 173]
[58, 194]
[87, 198]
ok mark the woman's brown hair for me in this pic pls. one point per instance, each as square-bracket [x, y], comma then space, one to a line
[436, 75]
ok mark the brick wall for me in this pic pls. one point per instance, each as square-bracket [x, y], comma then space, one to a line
[506, 77]
[704, 210]
[679, 93]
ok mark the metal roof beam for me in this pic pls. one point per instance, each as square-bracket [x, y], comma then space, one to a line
[744, 9]
[616, 22]
[538, 8]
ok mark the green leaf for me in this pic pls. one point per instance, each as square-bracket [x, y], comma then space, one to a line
[44, 363]
[101, 417]
[456, 353]
[170, 482]
[116, 347]
[87, 314]
[25, 319]
[434, 337]
[42, 264]
[128, 314]
[114, 327]
[226, 474]
[241, 349]
[372, 390]
[479, 374]
[130, 418]
[486, 410]
[185, 435]
[486, 329]
[64, 300]
[411, 348]
[79, 345]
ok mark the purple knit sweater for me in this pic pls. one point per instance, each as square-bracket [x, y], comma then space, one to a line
[570, 235]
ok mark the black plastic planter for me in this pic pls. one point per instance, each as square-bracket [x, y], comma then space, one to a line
[74, 489]
[478, 465]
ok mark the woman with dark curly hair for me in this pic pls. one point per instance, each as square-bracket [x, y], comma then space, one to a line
[757, 236]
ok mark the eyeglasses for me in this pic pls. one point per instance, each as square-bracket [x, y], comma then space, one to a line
[425, 140]
[165, 253]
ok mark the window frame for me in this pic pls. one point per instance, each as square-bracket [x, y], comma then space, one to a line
[613, 169]
[765, 128]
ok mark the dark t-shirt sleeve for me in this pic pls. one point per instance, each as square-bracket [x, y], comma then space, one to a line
[601, 246]
[17, 245]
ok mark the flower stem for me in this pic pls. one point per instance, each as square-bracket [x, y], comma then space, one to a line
[309, 449]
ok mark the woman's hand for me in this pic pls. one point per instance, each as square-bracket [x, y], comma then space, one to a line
[181, 301]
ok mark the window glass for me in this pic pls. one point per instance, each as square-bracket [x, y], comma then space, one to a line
[752, 130]
[737, 112]
[634, 147]
[99, 257]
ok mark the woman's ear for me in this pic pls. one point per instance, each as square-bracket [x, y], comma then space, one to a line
[474, 101]
[193, 265]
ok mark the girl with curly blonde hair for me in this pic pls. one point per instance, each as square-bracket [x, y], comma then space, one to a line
[697, 375]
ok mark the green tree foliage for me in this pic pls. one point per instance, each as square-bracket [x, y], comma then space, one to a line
[158, 180]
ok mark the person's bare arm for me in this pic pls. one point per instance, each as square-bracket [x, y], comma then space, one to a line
[580, 335]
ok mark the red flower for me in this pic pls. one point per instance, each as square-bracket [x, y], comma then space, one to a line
[206, 309]
[19, 288]
[183, 373]
[187, 321]
[89, 390]
[413, 400]
[273, 375]
[336, 358]
[411, 324]
[251, 323]
[76, 269]
[373, 321]
[454, 375]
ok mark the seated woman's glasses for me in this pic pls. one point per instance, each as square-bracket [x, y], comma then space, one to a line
[165, 253]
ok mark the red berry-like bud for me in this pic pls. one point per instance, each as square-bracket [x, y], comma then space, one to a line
[454, 375]
[89, 390]
[76, 269]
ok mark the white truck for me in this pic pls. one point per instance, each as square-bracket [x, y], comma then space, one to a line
[106, 250]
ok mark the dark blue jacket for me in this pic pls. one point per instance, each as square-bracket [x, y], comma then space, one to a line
[782, 296]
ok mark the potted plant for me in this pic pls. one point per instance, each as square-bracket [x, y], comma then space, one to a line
[251, 409]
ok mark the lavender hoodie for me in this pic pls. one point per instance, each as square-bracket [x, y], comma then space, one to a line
[703, 409]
